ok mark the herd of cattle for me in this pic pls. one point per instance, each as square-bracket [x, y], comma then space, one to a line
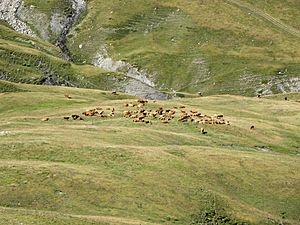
[138, 113]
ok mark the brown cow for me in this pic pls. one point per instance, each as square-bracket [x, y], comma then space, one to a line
[147, 122]
[126, 113]
[67, 95]
[142, 101]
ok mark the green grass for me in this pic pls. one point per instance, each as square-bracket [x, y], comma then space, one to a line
[113, 171]
[206, 46]
[30, 60]
[169, 38]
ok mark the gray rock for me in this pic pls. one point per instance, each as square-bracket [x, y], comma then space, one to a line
[8, 12]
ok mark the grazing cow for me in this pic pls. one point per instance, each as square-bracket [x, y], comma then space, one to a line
[160, 111]
[140, 105]
[45, 119]
[182, 107]
[203, 131]
[66, 118]
[147, 122]
[142, 101]
[222, 121]
[154, 114]
[210, 121]
[252, 127]
[191, 119]
[126, 113]
[67, 95]
[141, 117]
[76, 117]
[183, 117]
[114, 93]
[259, 96]
[197, 114]
[89, 113]
[219, 116]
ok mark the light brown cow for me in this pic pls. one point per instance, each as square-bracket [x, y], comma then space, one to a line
[67, 95]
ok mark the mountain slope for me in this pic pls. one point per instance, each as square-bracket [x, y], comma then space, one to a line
[208, 46]
[103, 168]
[238, 47]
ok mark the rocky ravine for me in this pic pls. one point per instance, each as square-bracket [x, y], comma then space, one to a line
[78, 7]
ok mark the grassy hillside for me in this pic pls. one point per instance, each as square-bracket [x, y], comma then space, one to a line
[31, 60]
[211, 46]
[217, 47]
[114, 171]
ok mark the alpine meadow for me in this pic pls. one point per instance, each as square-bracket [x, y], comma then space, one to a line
[152, 112]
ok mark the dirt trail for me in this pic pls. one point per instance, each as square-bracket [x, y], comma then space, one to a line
[276, 22]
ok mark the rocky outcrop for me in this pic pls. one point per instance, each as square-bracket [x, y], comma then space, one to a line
[15, 13]
[137, 82]
[282, 84]
[103, 61]
[36, 19]
[8, 12]
[137, 88]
